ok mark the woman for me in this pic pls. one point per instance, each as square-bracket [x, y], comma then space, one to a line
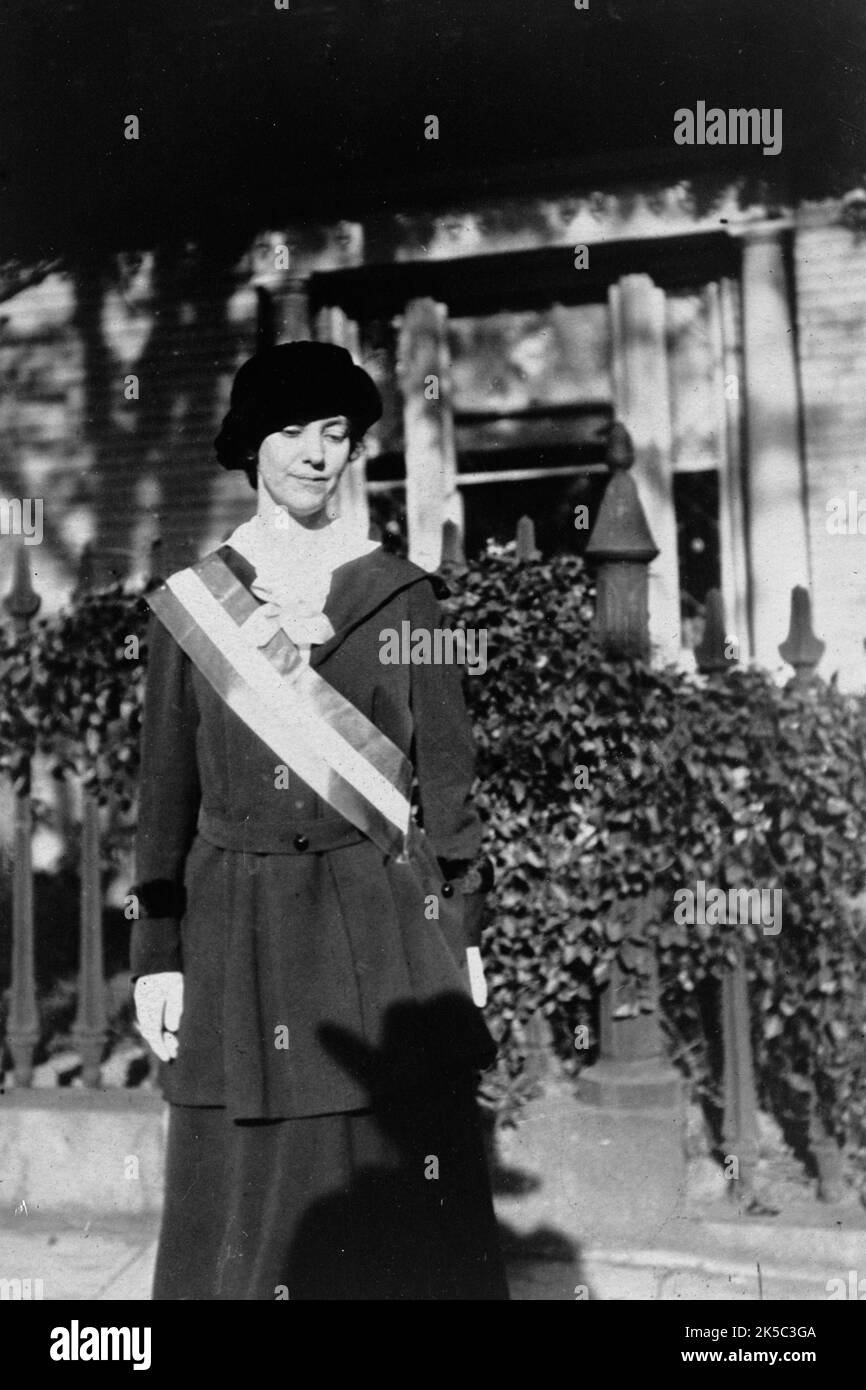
[300, 955]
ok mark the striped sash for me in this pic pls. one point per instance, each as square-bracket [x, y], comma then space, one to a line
[311, 727]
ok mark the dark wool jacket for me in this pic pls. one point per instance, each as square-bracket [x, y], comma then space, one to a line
[301, 943]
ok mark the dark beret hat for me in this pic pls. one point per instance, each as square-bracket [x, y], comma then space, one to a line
[290, 384]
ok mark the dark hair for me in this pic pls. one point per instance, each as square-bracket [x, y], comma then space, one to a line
[293, 382]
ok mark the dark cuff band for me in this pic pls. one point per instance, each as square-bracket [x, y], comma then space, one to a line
[154, 947]
[160, 897]
[469, 876]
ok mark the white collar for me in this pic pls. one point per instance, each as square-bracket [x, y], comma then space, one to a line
[284, 552]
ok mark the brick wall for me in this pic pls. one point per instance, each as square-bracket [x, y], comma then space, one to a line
[111, 470]
[43, 454]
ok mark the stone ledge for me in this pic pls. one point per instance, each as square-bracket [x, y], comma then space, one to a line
[630, 1086]
[841, 1241]
[81, 1150]
[131, 1098]
[665, 1275]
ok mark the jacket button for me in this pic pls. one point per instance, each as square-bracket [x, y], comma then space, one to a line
[447, 890]
[301, 842]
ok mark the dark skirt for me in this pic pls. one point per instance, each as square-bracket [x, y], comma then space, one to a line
[334, 953]
[387, 1204]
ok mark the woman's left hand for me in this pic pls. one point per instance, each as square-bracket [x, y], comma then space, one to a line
[477, 982]
[158, 1007]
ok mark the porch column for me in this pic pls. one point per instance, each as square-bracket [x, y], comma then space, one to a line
[290, 298]
[424, 365]
[726, 336]
[334, 326]
[642, 403]
[774, 476]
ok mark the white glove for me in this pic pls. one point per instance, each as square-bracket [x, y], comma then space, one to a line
[477, 982]
[158, 1007]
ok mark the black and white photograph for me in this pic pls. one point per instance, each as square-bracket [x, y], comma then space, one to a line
[433, 664]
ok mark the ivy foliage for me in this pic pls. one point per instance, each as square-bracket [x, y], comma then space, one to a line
[72, 689]
[606, 788]
[609, 786]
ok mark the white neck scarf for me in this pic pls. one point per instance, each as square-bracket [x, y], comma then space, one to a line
[294, 566]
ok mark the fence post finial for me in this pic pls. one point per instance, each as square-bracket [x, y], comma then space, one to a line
[525, 548]
[86, 576]
[622, 544]
[711, 652]
[801, 648]
[154, 564]
[22, 602]
[620, 449]
[453, 555]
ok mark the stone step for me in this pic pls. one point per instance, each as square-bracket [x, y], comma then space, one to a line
[73, 1149]
[841, 1241]
[685, 1274]
[71, 1259]
[670, 1274]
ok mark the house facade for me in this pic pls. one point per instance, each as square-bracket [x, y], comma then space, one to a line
[505, 334]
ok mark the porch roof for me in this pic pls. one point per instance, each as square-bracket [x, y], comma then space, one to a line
[252, 115]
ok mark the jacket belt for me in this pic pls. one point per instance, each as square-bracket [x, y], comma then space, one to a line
[289, 837]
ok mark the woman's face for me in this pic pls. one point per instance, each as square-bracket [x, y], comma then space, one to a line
[301, 465]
